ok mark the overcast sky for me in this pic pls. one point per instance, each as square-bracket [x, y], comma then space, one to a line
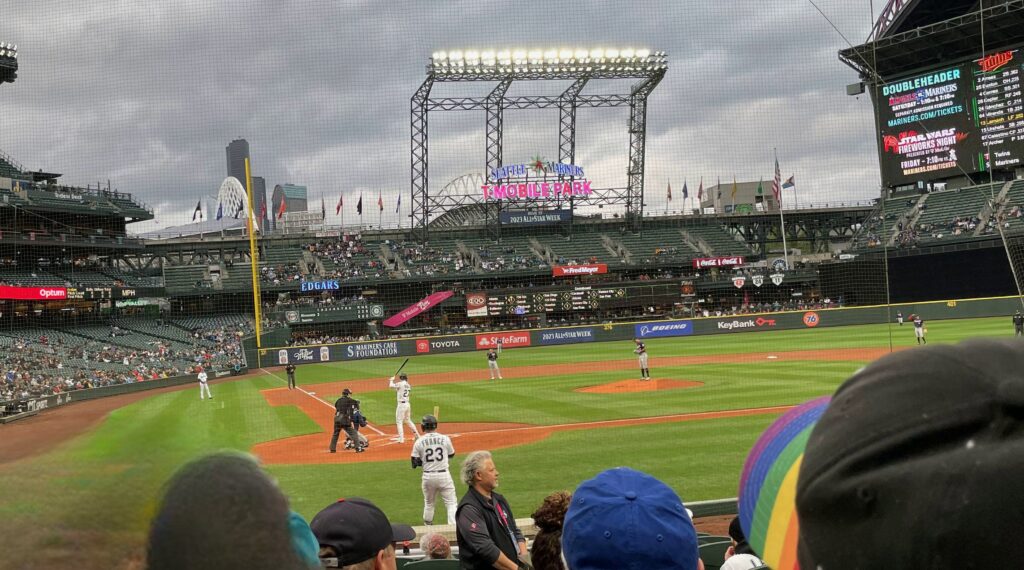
[148, 94]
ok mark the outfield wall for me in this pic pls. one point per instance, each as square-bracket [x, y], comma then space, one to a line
[789, 320]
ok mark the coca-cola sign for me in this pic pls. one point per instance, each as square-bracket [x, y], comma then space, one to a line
[574, 270]
[702, 262]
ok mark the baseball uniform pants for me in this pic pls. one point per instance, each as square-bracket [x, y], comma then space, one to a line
[402, 418]
[493, 366]
[643, 360]
[434, 484]
[204, 388]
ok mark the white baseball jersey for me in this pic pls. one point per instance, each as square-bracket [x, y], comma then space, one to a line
[203, 377]
[402, 389]
[434, 449]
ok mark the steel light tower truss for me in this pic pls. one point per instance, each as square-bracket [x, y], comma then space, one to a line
[8, 62]
[502, 68]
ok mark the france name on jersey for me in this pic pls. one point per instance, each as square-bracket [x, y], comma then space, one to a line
[434, 449]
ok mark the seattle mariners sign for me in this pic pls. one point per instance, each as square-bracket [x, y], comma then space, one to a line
[371, 350]
[667, 328]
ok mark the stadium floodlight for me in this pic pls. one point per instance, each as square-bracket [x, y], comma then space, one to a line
[581, 54]
[551, 55]
[455, 56]
[565, 55]
[8, 62]
[643, 53]
[627, 53]
[611, 53]
[597, 54]
[535, 56]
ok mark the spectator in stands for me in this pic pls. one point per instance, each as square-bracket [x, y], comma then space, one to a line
[485, 526]
[355, 534]
[744, 562]
[546, 552]
[223, 512]
[916, 463]
[739, 540]
[436, 546]
[624, 517]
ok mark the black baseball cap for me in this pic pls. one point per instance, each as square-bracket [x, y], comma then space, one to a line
[917, 461]
[357, 530]
[346, 392]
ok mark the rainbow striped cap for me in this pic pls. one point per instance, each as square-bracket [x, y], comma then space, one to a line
[767, 494]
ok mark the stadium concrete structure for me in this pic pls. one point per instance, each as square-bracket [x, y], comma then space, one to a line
[468, 273]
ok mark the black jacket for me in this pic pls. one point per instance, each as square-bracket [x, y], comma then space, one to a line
[481, 533]
[345, 408]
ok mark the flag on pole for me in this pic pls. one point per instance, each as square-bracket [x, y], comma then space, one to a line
[789, 183]
[220, 210]
[359, 205]
[776, 184]
[734, 188]
[283, 208]
[686, 193]
[198, 211]
[669, 190]
[238, 209]
[399, 205]
[700, 190]
[760, 187]
[380, 202]
[263, 210]
[323, 208]
[341, 200]
[719, 185]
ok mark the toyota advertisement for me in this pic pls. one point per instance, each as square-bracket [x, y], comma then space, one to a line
[428, 345]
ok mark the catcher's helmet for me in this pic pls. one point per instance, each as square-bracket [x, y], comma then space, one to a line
[403, 376]
[429, 422]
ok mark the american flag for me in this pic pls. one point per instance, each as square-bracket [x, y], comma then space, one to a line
[777, 184]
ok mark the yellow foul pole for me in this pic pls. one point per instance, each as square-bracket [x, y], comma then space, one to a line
[254, 255]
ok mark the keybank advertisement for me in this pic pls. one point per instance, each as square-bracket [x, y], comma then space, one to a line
[669, 328]
[567, 336]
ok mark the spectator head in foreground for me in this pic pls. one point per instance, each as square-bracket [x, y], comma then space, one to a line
[744, 562]
[739, 540]
[356, 535]
[436, 546]
[223, 512]
[546, 552]
[917, 461]
[768, 484]
[627, 519]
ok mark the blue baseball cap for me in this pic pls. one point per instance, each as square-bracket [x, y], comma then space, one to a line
[623, 518]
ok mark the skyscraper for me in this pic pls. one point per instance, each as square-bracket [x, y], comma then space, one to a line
[237, 151]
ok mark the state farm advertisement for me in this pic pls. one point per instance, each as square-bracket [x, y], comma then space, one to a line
[476, 304]
[702, 262]
[413, 310]
[574, 270]
[33, 293]
[505, 340]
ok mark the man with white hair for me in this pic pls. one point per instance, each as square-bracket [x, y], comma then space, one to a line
[485, 527]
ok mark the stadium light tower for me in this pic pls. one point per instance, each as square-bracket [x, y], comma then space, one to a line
[8, 62]
[503, 66]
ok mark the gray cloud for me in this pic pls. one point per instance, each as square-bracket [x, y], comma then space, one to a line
[148, 94]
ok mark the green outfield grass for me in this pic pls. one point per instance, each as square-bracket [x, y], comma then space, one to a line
[96, 493]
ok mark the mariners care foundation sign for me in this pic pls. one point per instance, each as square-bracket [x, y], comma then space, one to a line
[512, 181]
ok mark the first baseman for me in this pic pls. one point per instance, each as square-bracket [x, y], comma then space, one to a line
[492, 363]
[402, 389]
[641, 357]
[203, 386]
[432, 452]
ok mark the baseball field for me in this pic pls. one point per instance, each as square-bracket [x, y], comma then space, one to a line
[559, 415]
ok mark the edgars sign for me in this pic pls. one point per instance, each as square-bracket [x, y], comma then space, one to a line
[332, 285]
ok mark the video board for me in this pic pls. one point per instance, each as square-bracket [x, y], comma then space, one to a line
[941, 123]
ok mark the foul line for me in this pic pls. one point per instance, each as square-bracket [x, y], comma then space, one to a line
[317, 398]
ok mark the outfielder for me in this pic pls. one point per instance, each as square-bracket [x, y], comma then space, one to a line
[203, 386]
[432, 452]
[919, 330]
[641, 357]
[899, 317]
[492, 364]
[402, 389]
[1018, 324]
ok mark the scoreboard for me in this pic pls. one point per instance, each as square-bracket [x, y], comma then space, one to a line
[581, 298]
[962, 118]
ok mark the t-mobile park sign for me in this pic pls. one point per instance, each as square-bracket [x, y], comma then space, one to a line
[702, 262]
[505, 189]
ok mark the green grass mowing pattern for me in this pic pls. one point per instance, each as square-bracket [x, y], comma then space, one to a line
[93, 496]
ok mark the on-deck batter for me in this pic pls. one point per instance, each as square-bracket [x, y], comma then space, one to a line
[432, 452]
[402, 410]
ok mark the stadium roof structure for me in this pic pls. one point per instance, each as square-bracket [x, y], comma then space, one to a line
[904, 49]
[206, 227]
[8, 62]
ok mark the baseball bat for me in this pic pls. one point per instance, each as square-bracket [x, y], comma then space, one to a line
[402, 366]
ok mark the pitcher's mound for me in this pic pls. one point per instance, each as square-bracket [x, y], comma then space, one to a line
[626, 386]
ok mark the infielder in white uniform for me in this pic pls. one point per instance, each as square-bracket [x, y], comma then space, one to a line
[203, 386]
[641, 357]
[402, 389]
[492, 364]
[432, 452]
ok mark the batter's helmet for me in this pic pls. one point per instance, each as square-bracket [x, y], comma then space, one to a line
[403, 376]
[429, 422]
